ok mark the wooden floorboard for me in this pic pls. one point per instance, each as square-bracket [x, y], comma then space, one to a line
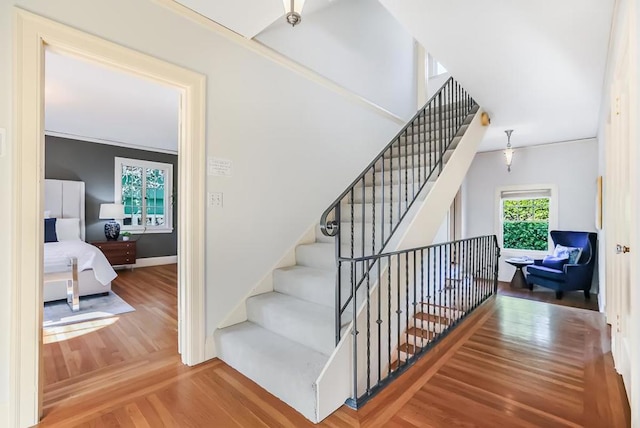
[574, 299]
[512, 363]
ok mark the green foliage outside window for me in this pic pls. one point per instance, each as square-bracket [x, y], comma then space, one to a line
[526, 223]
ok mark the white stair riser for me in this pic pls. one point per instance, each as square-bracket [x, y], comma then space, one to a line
[429, 325]
[321, 256]
[312, 285]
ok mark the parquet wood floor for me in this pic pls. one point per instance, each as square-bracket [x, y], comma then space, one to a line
[512, 363]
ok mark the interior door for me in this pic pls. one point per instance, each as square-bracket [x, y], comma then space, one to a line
[620, 191]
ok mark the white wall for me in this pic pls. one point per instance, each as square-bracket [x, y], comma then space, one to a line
[5, 195]
[359, 45]
[284, 134]
[571, 166]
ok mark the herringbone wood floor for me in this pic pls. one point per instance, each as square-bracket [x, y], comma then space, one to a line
[513, 363]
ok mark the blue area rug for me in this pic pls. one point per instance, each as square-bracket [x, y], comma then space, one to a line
[91, 307]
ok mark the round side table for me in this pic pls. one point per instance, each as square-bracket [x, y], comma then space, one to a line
[518, 280]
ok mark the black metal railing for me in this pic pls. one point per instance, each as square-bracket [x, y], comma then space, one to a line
[413, 299]
[365, 216]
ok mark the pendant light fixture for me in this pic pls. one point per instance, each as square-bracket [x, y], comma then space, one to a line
[293, 9]
[508, 153]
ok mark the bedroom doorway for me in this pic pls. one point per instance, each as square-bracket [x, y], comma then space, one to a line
[34, 34]
[111, 141]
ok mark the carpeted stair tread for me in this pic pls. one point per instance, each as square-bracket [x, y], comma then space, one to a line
[285, 368]
[309, 324]
[307, 283]
[320, 255]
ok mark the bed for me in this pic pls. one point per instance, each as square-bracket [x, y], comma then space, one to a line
[69, 259]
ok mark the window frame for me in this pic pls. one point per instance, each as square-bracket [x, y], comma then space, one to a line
[167, 227]
[552, 190]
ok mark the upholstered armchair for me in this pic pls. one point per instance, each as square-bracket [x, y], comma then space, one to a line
[571, 265]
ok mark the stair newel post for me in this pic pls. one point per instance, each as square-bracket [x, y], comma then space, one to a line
[354, 333]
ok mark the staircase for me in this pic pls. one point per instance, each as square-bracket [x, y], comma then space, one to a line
[288, 341]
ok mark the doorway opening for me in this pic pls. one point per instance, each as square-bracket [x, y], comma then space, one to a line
[34, 34]
[111, 142]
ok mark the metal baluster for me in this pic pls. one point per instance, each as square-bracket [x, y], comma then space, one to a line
[389, 313]
[368, 329]
[399, 310]
[338, 314]
[442, 135]
[415, 299]
[420, 138]
[382, 202]
[379, 320]
[413, 160]
[406, 303]
[400, 179]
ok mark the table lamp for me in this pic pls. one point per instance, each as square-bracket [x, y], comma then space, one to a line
[111, 212]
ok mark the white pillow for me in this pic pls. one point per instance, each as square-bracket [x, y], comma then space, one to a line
[68, 229]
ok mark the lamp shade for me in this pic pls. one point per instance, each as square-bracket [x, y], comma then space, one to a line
[293, 5]
[111, 211]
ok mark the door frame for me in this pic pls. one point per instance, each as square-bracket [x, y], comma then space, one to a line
[31, 34]
[621, 308]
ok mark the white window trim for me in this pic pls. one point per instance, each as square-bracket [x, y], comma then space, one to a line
[553, 217]
[117, 188]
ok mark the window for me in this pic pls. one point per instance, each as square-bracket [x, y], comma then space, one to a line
[526, 217]
[146, 189]
[434, 67]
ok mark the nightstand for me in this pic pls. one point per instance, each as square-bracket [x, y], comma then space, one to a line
[118, 252]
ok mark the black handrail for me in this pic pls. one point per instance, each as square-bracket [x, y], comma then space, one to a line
[425, 141]
[414, 298]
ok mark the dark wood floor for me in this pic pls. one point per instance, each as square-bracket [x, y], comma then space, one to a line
[513, 363]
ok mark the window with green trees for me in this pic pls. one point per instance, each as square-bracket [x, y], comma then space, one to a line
[525, 223]
[145, 190]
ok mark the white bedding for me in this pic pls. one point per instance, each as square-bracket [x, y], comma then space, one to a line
[89, 257]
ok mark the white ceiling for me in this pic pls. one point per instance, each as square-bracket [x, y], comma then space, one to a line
[248, 17]
[87, 100]
[537, 67]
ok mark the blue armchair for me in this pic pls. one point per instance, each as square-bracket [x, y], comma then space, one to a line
[569, 276]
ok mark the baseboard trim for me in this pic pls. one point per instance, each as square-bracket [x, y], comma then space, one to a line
[209, 348]
[156, 261]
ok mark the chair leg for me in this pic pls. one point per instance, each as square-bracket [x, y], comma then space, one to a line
[587, 295]
[559, 295]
